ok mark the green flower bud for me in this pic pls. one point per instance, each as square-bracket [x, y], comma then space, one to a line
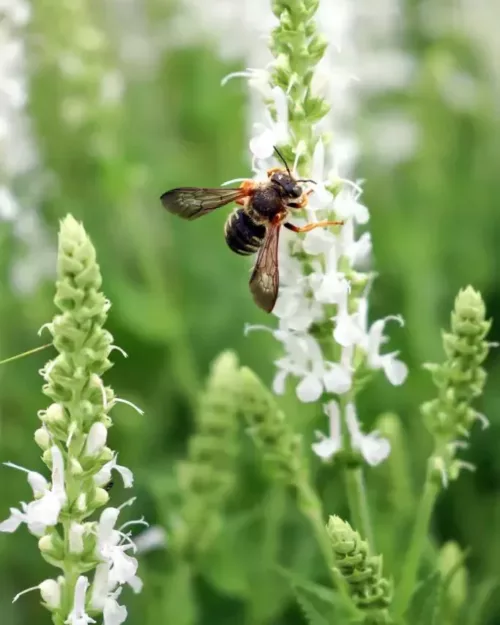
[42, 438]
[370, 591]
[279, 445]
[207, 476]
[451, 564]
[459, 380]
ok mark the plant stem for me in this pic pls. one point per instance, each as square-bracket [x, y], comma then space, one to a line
[358, 504]
[355, 485]
[311, 507]
[417, 544]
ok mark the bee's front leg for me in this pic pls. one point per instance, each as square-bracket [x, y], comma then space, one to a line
[313, 226]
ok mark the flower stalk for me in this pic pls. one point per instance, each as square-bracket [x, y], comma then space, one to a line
[459, 380]
[73, 439]
[322, 306]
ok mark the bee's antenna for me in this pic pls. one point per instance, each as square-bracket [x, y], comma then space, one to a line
[282, 158]
[307, 180]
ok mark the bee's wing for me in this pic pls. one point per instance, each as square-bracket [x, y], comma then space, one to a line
[264, 281]
[193, 202]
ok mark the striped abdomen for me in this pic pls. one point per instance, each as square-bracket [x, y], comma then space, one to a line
[243, 235]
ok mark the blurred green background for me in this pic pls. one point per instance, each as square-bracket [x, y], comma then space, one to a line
[117, 114]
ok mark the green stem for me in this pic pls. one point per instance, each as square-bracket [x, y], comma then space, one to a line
[355, 485]
[417, 544]
[358, 504]
[310, 506]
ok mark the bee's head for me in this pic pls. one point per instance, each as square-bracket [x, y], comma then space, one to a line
[287, 184]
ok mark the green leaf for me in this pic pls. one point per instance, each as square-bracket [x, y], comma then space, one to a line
[476, 612]
[425, 606]
[312, 615]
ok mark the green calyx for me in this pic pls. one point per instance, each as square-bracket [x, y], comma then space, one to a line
[370, 591]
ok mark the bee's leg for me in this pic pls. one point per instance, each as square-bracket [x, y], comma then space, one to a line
[312, 226]
[247, 188]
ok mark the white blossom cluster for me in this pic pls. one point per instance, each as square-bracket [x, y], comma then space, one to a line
[18, 155]
[319, 289]
[109, 545]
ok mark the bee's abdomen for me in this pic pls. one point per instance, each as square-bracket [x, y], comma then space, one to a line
[243, 235]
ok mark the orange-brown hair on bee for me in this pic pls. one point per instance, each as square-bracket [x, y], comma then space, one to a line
[255, 225]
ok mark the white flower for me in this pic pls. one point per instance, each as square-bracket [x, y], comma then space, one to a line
[152, 538]
[395, 370]
[349, 329]
[113, 613]
[320, 197]
[329, 286]
[122, 567]
[44, 511]
[305, 361]
[372, 447]
[329, 445]
[346, 205]
[78, 615]
[104, 475]
[275, 132]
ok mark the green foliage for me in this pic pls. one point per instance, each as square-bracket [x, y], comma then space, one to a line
[180, 298]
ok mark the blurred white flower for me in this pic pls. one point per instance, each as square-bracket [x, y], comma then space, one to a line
[372, 447]
[273, 132]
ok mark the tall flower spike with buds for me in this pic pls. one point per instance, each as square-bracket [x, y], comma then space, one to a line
[460, 379]
[371, 592]
[322, 308]
[207, 476]
[73, 438]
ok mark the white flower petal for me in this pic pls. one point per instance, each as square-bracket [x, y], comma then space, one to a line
[262, 146]
[78, 616]
[309, 389]
[319, 241]
[372, 447]
[347, 330]
[43, 513]
[279, 382]
[338, 379]
[325, 448]
[152, 538]
[13, 522]
[38, 483]
[113, 613]
[395, 370]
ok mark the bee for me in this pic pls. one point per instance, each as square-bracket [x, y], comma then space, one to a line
[255, 225]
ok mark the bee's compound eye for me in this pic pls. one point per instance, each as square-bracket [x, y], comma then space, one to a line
[296, 190]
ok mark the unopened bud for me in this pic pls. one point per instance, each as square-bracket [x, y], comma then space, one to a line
[96, 439]
[101, 498]
[51, 593]
[54, 415]
[42, 438]
[76, 532]
[75, 467]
